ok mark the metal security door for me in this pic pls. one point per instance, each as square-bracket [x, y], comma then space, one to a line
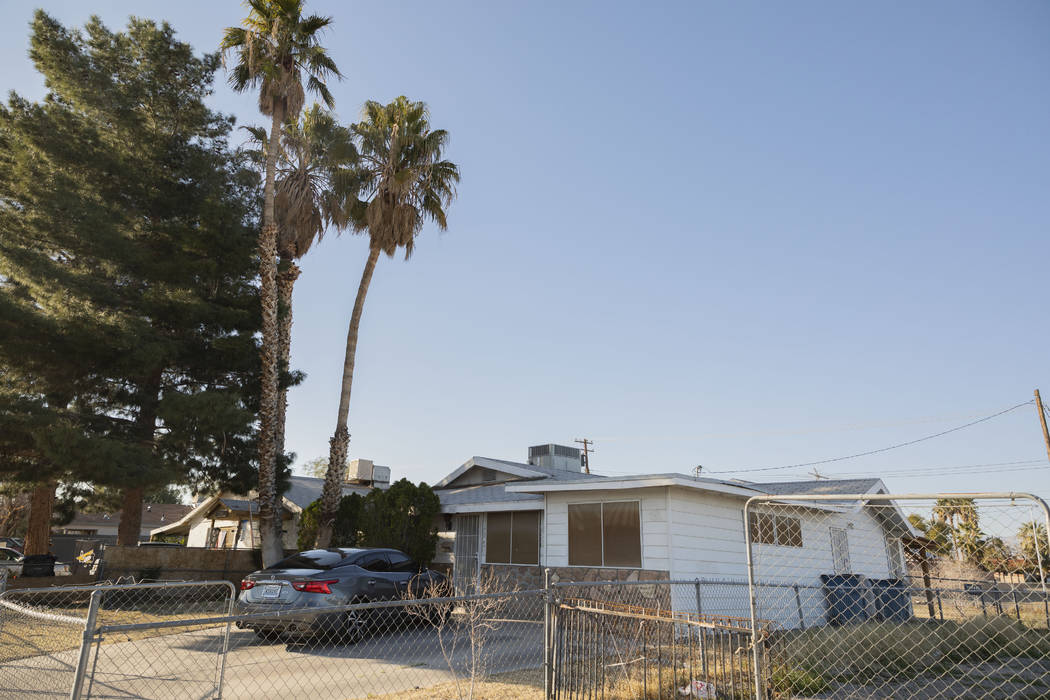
[465, 553]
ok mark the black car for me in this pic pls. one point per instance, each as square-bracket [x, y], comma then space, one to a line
[302, 590]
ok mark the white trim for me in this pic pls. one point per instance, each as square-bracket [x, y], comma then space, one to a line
[493, 506]
[636, 482]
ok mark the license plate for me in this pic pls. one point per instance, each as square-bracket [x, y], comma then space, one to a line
[272, 591]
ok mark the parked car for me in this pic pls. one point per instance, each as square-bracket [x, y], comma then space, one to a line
[12, 560]
[15, 543]
[306, 586]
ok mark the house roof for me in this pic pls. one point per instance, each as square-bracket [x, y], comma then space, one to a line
[468, 498]
[819, 486]
[514, 469]
[633, 482]
[304, 490]
[153, 515]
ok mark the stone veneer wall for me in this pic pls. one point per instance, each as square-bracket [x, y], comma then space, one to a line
[530, 577]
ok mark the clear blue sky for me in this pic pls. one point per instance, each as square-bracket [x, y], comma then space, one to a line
[730, 234]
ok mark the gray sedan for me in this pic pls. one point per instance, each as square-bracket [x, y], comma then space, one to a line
[302, 590]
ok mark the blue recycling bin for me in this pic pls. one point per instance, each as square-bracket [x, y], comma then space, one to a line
[846, 598]
[891, 600]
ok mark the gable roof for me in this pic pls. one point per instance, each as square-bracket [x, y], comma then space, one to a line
[514, 469]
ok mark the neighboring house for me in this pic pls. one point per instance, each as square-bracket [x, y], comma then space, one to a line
[104, 525]
[230, 521]
[513, 520]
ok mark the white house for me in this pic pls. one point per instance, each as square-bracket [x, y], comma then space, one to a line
[516, 519]
[230, 521]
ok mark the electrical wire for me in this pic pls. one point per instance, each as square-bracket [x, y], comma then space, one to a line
[878, 451]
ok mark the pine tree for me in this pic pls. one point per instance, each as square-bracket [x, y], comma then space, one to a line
[128, 311]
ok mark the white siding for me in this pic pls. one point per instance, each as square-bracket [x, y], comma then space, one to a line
[653, 517]
[707, 543]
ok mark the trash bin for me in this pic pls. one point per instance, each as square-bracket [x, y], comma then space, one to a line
[846, 598]
[38, 565]
[892, 600]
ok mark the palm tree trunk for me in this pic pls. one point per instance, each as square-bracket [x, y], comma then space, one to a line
[269, 512]
[286, 277]
[38, 531]
[339, 445]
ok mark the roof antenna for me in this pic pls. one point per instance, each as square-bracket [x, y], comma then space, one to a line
[817, 475]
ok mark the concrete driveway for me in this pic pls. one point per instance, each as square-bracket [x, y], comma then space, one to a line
[186, 665]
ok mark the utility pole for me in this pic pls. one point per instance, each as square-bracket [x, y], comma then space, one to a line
[1042, 421]
[588, 447]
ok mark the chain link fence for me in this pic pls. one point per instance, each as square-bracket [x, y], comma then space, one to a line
[873, 597]
[911, 597]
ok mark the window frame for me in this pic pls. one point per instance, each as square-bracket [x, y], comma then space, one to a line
[510, 542]
[840, 558]
[755, 530]
[601, 529]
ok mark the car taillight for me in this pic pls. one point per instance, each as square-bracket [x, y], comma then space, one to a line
[246, 584]
[314, 586]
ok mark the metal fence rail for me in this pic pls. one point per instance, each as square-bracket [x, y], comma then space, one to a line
[615, 650]
[842, 598]
[911, 597]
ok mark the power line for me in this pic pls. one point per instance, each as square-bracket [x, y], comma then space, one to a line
[878, 451]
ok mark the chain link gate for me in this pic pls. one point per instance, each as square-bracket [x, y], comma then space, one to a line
[617, 651]
[906, 596]
[129, 639]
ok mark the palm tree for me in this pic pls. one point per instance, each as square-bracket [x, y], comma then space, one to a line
[964, 534]
[315, 177]
[403, 180]
[275, 48]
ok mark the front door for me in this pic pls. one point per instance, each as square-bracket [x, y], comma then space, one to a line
[465, 564]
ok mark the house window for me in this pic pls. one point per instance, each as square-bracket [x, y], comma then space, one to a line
[605, 534]
[512, 538]
[780, 530]
[894, 557]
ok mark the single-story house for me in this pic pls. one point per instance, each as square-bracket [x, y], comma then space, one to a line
[104, 525]
[230, 521]
[513, 520]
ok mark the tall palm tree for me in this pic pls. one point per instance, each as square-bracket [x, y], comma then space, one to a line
[274, 49]
[403, 180]
[960, 515]
[315, 177]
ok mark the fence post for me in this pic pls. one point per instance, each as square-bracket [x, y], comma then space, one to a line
[752, 602]
[85, 644]
[226, 641]
[547, 633]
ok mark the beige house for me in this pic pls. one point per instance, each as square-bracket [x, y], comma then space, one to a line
[230, 521]
[104, 525]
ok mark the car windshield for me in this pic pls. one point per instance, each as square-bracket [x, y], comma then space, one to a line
[322, 559]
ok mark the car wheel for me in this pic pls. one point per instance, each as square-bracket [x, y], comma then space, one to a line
[351, 628]
[268, 635]
[438, 614]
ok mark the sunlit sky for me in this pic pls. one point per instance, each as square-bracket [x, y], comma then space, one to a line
[732, 234]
